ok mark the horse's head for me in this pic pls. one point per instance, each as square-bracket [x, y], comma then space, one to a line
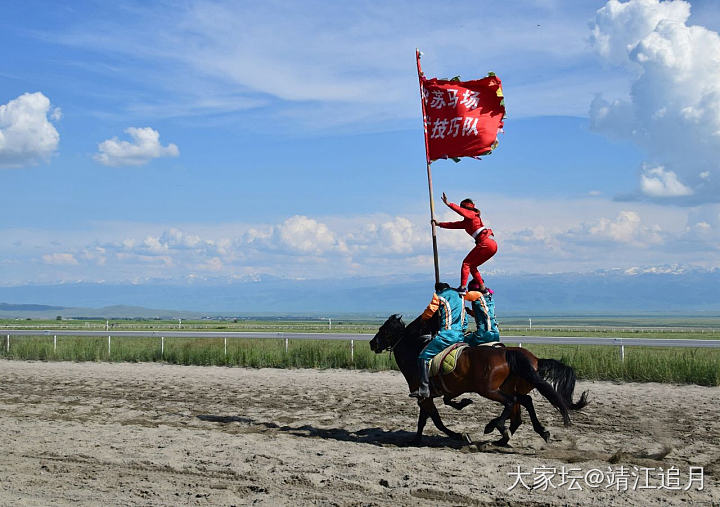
[388, 334]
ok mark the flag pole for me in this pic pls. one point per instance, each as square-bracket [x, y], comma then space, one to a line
[429, 173]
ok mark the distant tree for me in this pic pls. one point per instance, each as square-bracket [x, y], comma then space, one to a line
[59, 317]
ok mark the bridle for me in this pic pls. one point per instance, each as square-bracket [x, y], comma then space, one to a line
[391, 348]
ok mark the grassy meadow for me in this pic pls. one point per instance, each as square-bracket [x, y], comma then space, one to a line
[641, 364]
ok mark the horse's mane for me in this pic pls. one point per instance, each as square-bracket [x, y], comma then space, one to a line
[420, 327]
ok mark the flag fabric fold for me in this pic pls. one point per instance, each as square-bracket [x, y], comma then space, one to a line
[461, 118]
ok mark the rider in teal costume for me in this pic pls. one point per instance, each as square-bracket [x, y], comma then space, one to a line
[453, 321]
[487, 328]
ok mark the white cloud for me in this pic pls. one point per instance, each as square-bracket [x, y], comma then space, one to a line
[145, 146]
[296, 65]
[657, 182]
[626, 228]
[674, 108]
[305, 235]
[619, 26]
[26, 135]
[60, 259]
[213, 264]
[533, 236]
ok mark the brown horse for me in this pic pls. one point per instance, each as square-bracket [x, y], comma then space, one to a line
[505, 375]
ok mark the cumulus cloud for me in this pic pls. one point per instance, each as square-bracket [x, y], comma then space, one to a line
[306, 235]
[626, 228]
[673, 112]
[27, 136]
[567, 235]
[619, 26]
[657, 182]
[60, 259]
[143, 147]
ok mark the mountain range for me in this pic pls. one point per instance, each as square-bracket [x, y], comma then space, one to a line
[664, 290]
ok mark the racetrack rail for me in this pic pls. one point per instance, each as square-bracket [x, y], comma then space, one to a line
[545, 340]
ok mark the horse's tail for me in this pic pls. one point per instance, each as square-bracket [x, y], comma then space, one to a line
[562, 378]
[521, 366]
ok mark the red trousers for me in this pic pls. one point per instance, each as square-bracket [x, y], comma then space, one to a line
[483, 250]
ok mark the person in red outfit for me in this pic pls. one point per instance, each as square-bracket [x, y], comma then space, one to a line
[485, 246]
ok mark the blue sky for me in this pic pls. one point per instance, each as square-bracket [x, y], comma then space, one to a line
[211, 140]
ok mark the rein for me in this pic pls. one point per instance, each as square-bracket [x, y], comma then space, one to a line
[391, 349]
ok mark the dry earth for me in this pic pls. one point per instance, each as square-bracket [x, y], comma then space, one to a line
[153, 434]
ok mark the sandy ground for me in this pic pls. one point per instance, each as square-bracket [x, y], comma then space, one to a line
[153, 434]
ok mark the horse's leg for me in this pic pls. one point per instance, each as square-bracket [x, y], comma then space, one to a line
[499, 422]
[422, 419]
[527, 402]
[515, 419]
[457, 405]
[435, 416]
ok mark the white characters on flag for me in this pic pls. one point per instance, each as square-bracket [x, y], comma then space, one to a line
[454, 127]
[470, 127]
[438, 99]
[458, 126]
[470, 99]
[439, 128]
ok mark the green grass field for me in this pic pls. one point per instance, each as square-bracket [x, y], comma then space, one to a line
[641, 364]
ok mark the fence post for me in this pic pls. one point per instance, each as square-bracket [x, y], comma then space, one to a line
[622, 353]
[162, 346]
[55, 343]
[8, 344]
[225, 345]
[286, 345]
[352, 350]
[108, 347]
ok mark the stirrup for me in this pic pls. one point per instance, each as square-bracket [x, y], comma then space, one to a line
[420, 396]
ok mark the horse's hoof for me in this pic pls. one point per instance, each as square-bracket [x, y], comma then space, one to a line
[545, 435]
[465, 402]
[503, 442]
[489, 427]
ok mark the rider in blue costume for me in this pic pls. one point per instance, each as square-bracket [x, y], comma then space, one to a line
[483, 309]
[453, 321]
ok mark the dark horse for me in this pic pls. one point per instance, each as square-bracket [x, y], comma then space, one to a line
[502, 374]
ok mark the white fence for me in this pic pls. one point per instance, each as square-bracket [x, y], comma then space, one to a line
[162, 335]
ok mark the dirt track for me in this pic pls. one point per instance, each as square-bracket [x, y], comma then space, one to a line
[149, 434]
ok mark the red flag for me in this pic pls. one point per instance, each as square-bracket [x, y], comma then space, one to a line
[462, 118]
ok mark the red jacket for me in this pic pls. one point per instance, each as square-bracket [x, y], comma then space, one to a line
[472, 223]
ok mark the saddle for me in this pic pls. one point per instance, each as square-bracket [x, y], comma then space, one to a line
[446, 361]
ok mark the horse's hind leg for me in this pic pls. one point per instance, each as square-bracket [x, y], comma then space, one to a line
[515, 419]
[457, 405]
[499, 422]
[527, 402]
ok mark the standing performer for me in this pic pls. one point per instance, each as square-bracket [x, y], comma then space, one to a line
[485, 246]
